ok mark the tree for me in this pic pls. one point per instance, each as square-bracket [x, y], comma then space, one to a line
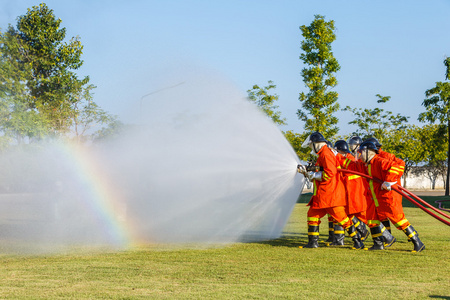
[320, 103]
[87, 114]
[406, 144]
[390, 130]
[376, 122]
[296, 140]
[112, 131]
[429, 172]
[437, 105]
[433, 152]
[266, 102]
[53, 81]
[18, 121]
[41, 94]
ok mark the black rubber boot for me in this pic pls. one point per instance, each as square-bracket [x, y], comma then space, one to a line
[339, 235]
[387, 224]
[330, 234]
[411, 233]
[357, 243]
[387, 237]
[377, 238]
[409, 238]
[361, 227]
[313, 237]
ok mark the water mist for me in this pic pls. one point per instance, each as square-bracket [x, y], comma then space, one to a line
[201, 165]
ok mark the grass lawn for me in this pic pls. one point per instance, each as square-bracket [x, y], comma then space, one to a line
[275, 269]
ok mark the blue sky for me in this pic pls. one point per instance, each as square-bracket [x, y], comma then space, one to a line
[392, 48]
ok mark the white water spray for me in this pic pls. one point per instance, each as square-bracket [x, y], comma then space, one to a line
[203, 166]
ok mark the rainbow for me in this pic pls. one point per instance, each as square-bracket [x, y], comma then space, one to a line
[100, 196]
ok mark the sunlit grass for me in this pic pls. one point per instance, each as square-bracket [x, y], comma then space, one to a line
[275, 269]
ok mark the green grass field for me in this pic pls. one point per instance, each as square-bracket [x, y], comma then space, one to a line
[275, 269]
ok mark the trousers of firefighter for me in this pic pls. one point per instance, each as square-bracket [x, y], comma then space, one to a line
[351, 201]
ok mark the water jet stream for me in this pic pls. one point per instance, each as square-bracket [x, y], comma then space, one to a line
[203, 166]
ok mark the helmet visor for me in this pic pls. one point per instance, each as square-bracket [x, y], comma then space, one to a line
[365, 155]
[353, 147]
[307, 142]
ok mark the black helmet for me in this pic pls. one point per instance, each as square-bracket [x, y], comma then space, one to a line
[341, 145]
[330, 144]
[375, 141]
[367, 145]
[313, 139]
[317, 137]
[355, 140]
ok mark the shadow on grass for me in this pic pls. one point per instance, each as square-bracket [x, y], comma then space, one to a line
[294, 240]
[288, 240]
[439, 297]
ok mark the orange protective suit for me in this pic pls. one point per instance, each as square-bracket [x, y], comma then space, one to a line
[329, 193]
[388, 204]
[399, 166]
[355, 187]
[371, 216]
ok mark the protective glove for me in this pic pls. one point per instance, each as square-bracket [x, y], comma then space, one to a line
[387, 185]
[301, 169]
[314, 175]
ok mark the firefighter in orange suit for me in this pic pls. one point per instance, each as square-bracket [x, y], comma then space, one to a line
[382, 238]
[355, 190]
[399, 168]
[329, 192]
[387, 202]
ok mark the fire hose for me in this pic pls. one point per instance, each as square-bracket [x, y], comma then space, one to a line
[407, 194]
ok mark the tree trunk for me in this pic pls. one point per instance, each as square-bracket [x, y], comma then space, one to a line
[448, 159]
[405, 174]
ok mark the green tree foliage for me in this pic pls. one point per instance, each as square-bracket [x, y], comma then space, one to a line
[87, 115]
[320, 102]
[437, 105]
[296, 140]
[434, 151]
[376, 122]
[266, 102]
[262, 97]
[53, 80]
[112, 131]
[431, 151]
[406, 144]
[41, 94]
[390, 129]
[18, 121]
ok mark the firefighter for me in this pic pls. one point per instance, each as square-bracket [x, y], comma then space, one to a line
[399, 168]
[354, 143]
[333, 226]
[387, 202]
[329, 192]
[381, 237]
[335, 231]
[355, 187]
